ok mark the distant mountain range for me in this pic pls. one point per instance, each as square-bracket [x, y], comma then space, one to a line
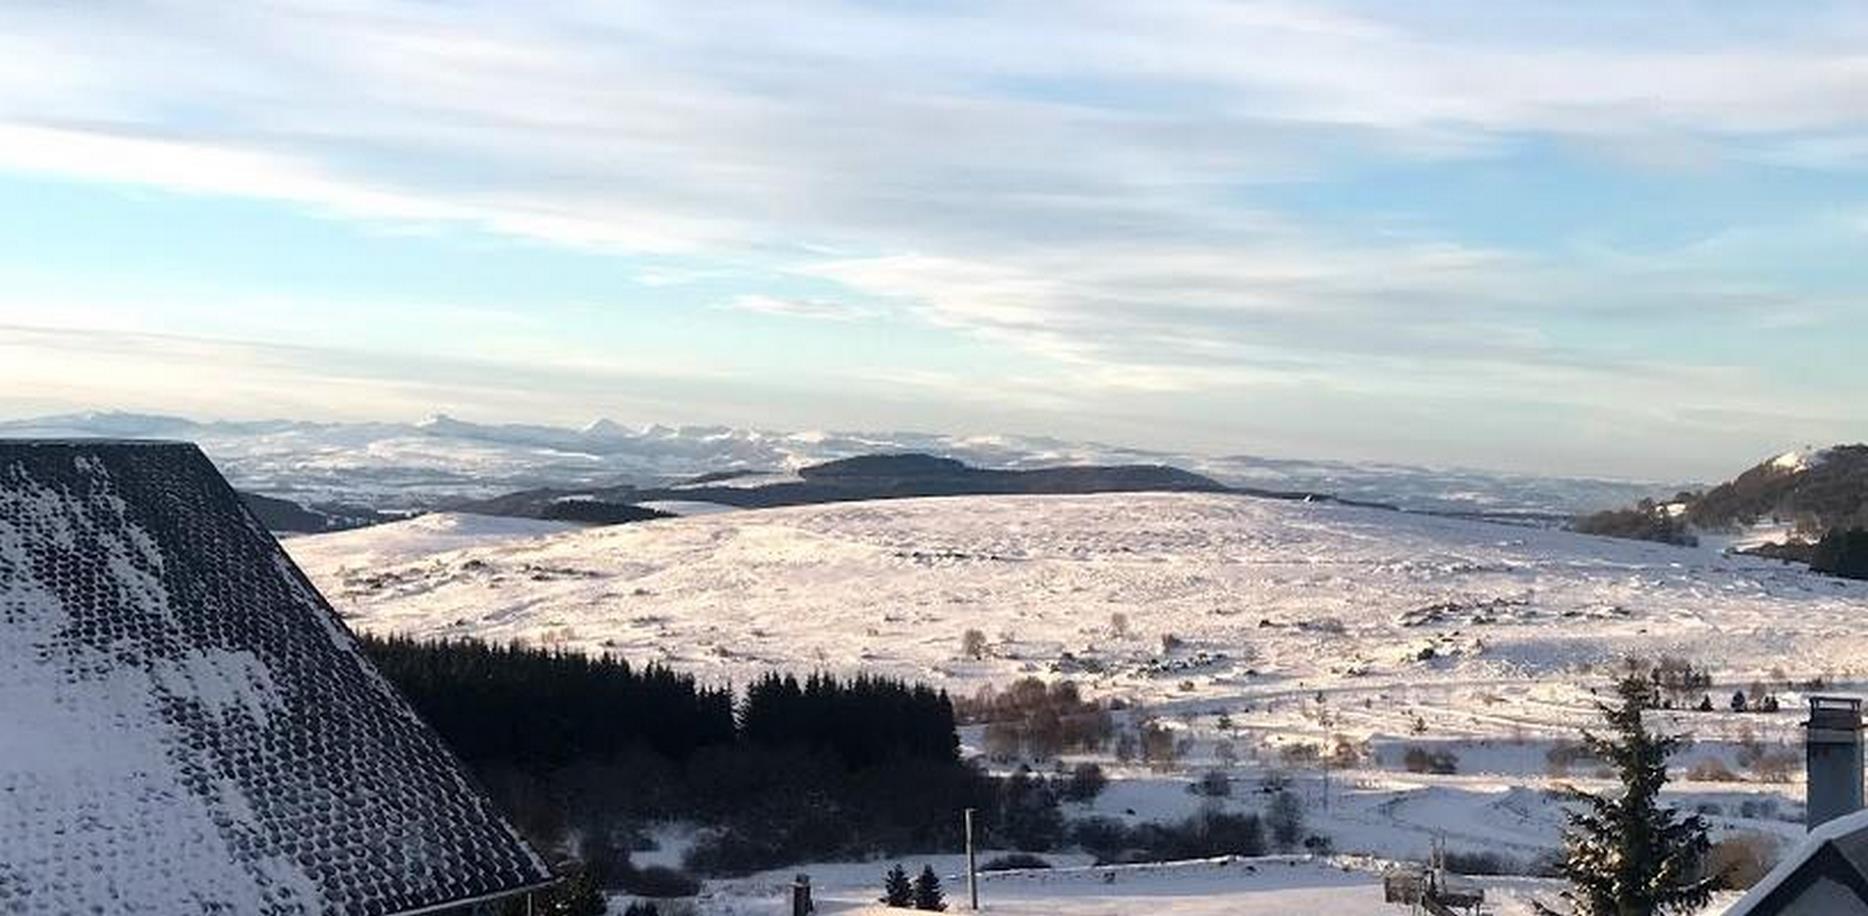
[397, 467]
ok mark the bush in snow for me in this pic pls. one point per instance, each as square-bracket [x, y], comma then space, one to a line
[1775, 766]
[973, 644]
[1158, 746]
[658, 881]
[1086, 782]
[1741, 859]
[1211, 832]
[928, 894]
[1419, 759]
[1481, 863]
[897, 890]
[1285, 817]
[1212, 784]
[1711, 770]
[1028, 815]
[1014, 862]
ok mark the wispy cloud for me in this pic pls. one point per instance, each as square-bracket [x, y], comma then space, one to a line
[818, 309]
[1082, 182]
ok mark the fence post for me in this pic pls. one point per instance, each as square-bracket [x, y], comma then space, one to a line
[801, 904]
[972, 863]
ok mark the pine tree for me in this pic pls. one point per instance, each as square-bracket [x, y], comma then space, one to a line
[897, 891]
[1625, 854]
[928, 894]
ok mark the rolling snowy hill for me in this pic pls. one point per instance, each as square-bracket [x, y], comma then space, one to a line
[1302, 624]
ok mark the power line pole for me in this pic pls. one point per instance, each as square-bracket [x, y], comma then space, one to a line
[972, 865]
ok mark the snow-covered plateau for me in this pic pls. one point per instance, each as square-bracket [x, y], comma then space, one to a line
[1298, 623]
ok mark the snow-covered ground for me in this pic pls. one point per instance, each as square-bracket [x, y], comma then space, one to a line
[1219, 887]
[417, 539]
[1298, 623]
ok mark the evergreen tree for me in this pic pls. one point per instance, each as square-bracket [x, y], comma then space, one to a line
[897, 890]
[1738, 701]
[576, 895]
[1625, 854]
[928, 895]
[1842, 553]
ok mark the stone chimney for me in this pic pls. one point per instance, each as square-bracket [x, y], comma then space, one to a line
[1833, 749]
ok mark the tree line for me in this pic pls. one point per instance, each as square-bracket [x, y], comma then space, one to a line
[585, 752]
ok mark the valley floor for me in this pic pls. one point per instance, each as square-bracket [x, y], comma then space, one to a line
[1259, 631]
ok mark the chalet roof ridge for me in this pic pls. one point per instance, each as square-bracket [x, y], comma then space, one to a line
[191, 728]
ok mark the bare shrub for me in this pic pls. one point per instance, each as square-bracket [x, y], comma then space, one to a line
[1566, 754]
[1085, 783]
[1712, 770]
[1740, 860]
[1481, 863]
[973, 644]
[1003, 742]
[1300, 754]
[1418, 759]
[1212, 784]
[1158, 747]
[1285, 818]
[1226, 753]
[1046, 719]
[1345, 753]
[1119, 624]
[1775, 766]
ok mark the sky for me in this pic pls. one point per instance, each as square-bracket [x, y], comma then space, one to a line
[1589, 238]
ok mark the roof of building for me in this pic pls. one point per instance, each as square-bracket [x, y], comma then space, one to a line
[1827, 873]
[187, 726]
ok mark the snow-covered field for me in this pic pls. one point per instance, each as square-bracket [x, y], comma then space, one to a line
[1301, 624]
[1285, 886]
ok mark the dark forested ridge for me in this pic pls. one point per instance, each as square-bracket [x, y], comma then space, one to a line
[1817, 492]
[1842, 553]
[1827, 491]
[871, 477]
[287, 516]
[583, 752]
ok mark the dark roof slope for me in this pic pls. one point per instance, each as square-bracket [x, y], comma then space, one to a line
[185, 726]
[1826, 875]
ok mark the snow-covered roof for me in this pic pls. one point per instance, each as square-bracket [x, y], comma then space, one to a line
[1827, 873]
[185, 726]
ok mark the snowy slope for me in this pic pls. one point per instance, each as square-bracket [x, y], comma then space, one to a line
[892, 585]
[419, 538]
[1302, 623]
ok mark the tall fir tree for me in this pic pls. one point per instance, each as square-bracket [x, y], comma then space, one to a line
[1625, 854]
[928, 895]
[897, 890]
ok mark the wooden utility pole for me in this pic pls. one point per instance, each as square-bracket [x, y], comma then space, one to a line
[972, 864]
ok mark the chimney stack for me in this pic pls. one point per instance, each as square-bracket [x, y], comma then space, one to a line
[1833, 749]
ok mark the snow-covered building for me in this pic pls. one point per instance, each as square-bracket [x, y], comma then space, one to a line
[1827, 874]
[185, 725]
